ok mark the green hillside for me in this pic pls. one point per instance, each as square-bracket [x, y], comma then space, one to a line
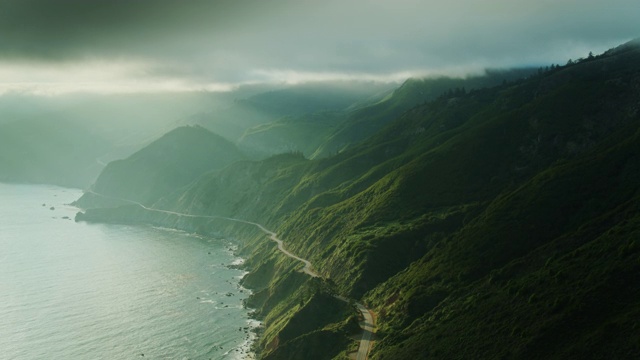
[490, 223]
[319, 130]
[164, 166]
[365, 121]
[304, 133]
[250, 112]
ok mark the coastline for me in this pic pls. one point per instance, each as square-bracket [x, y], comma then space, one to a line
[299, 308]
[141, 275]
[223, 228]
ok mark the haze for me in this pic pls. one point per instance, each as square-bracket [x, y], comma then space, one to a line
[116, 75]
[123, 46]
[406, 179]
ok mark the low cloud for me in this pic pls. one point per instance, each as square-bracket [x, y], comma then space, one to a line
[210, 44]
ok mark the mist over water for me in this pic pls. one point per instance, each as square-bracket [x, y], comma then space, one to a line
[78, 291]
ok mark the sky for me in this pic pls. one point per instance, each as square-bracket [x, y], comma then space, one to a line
[52, 47]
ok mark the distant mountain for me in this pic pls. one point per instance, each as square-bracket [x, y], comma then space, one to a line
[292, 101]
[67, 139]
[303, 133]
[49, 152]
[366, 121]
[164, 166]
[498, 222]
[323, 133]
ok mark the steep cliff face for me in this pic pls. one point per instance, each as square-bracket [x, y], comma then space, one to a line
[498, 222]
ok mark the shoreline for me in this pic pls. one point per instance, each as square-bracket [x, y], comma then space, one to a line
[253, 234]
[192, 259]
[248, 347]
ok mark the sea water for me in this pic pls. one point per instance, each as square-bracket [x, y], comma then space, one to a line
[92, 291]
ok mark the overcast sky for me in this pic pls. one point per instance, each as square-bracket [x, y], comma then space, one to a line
[57, 46]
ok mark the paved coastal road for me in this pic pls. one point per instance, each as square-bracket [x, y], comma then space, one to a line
[368, 323]
[367, 333]
[308, 269]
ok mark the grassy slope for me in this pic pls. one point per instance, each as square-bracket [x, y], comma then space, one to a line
[549, 270]
[166, 165]
[250, 120]
[426, 213]
[498, 223]
[321, 125]
[364, 122]
[456, 162]
[290, 134]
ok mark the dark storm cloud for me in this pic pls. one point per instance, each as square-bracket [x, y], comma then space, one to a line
[68, 28]
[252, 40]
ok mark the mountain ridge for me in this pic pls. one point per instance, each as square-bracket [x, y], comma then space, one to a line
[165, 165]
[462, 221]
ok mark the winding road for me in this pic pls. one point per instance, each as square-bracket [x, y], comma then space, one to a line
[368, 325]
[367, 332]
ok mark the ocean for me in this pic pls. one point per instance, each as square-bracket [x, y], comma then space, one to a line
[93, 291]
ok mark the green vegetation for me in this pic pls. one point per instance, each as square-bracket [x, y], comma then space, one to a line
[165, 165]
[363, 122]
[270, 122]
[303, 133]
[320, 121]
[487, 223]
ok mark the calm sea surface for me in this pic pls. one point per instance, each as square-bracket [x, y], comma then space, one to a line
[85, 291]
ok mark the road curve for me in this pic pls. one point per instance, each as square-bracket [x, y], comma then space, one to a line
[308, 268]
[367, 327]
[368, 324]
